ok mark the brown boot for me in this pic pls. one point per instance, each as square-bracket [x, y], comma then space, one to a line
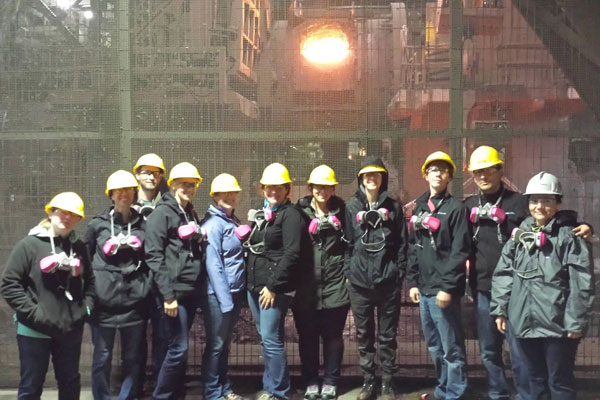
[367, 391]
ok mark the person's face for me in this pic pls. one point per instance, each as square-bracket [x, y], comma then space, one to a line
[438, 176]
[543, 207]
[322, 193]
[149, 177]
[123, 198]
[275, 194]
[184, 189]
[226, 200]
[372, 180]
[488, 179]
[62, 221]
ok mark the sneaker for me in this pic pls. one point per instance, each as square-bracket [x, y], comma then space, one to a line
[387, 390]
[328, 392]
[233, 396]
[366, 391]
[312, 392]
[266, 396]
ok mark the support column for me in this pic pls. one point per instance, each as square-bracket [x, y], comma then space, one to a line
[125, 105]
[456, 94]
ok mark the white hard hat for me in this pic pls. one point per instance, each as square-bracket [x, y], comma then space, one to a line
[544, 183]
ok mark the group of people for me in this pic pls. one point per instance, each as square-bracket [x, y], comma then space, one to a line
[150, 257]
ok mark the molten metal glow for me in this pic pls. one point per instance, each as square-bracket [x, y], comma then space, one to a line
[326, 45]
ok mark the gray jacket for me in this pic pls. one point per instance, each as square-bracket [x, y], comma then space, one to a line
[548, 291]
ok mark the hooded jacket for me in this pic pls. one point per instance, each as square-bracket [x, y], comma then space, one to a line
[365, 267]
[437, 261]
[486, 246]
[176, 263]
[40, 299]
[225, 266]
[279, 267]
[326, 289]
[123, 280]
[549, 291]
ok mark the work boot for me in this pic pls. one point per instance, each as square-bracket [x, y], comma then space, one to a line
[387, 390]
[312, 392]
[328, 392]
[367, 390]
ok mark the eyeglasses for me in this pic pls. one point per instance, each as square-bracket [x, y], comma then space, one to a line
[545, 201]
[188, 185]
[485, 171]
[434, 170]
[153, 173]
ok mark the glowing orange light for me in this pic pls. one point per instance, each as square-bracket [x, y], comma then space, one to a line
[326, 45]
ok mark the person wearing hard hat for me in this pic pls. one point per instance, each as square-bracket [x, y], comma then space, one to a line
[375, 263]
[173, 253]
[49, 284]
[115, 240]
[149, 171]
[440, 245]
[543, 286]
[494, 212]
[224, 290]
[274, 269]
[321, 304]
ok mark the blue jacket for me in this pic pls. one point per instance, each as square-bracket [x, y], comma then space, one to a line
[225, 265]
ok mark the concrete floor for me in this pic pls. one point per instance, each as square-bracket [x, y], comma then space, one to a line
[249, 387]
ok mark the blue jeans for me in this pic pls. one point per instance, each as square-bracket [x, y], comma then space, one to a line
[445, 340]
[219, 329]
[131, 360]
[312, 325]
[170, 380]
[490, 348]
[270, 324]
[551, 362]
[34, 355]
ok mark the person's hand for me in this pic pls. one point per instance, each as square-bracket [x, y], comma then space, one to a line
[501, 324]
[443, 299]
[266, 298]
[583, 231]
[574, 335]
[170, 308]
[414, 295]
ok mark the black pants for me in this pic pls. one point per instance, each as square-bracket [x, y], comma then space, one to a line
[328, 324]
[386, 299]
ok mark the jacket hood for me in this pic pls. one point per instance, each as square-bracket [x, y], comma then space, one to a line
[169, 200]
[105, 215]
[40, 231]
[335, 203]
[371, 160]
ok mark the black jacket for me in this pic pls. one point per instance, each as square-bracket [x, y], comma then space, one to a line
[279, 267]
[365, 268]
[442, 267]
[176, 263]
[123, 280]
[548, 291]
[40, 299]
[486, 246]
[326, 289]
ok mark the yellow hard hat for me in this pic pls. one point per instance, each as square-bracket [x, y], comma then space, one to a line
[438, 156]
[224, 183]
[184, 170]
[484, 157]
[151, 160]
[120, 179]
[371, 168]
[322, 175]
[68, 201]
[275, 174]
